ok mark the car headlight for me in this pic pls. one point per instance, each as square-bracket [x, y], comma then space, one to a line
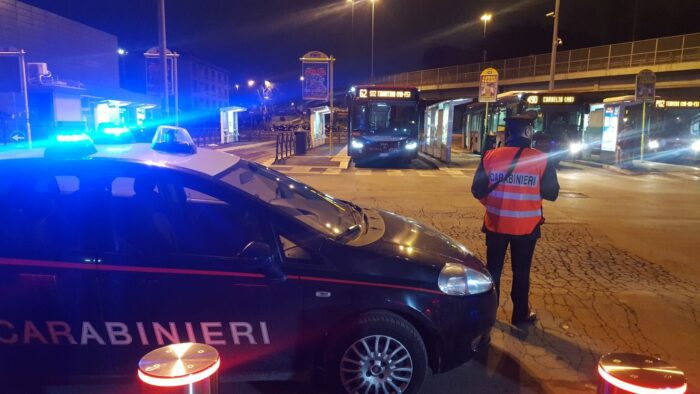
[575, 147]
[357, 144]
[457, 279]
[654, 144]
[411, 145]
[696, 146]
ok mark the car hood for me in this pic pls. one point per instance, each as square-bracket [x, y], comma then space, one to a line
[409, 240]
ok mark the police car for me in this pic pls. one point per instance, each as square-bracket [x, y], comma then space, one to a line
[108, 252]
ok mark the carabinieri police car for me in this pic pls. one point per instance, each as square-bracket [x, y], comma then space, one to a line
[110, 251]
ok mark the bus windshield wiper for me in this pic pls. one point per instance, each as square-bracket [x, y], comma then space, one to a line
[348, 232]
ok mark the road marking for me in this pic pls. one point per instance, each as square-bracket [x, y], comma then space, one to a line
[246, 146]
[394, 172]
[362, 172]
[428, 173]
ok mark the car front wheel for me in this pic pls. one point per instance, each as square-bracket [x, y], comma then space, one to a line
[381, 353]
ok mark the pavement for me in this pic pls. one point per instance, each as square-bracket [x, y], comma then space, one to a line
[615, 271]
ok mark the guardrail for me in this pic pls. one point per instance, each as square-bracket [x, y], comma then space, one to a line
[657, 51]
[285, 145]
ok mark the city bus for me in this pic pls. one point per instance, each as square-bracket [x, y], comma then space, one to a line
[383, 123]
[559, 121]
[672, 132]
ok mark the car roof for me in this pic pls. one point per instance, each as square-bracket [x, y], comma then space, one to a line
[205, 161]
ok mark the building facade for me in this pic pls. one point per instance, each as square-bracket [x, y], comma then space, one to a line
[72, 50]
[73, 77]
[204, 89]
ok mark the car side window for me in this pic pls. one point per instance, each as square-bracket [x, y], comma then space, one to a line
[211, 226]
[159, 215]
[50, 213]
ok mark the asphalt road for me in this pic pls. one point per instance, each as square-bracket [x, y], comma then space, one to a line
[615, 271]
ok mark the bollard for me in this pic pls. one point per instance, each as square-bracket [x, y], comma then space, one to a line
[190, 368]
[624, 373]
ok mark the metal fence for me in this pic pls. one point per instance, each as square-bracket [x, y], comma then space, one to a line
[665, 50]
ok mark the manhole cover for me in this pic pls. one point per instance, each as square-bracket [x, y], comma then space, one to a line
[572, 195]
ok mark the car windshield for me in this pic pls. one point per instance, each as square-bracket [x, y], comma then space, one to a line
[304, 203]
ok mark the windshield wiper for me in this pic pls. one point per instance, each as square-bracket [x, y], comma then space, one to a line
[348, 232]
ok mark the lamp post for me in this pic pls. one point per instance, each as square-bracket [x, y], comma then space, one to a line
[555, 42]
[486, 18]
[371, 73]
[352, 24]
[163, 56]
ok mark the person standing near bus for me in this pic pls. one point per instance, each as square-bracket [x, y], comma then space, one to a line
[511, 182]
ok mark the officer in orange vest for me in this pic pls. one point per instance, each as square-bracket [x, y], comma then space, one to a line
[511, 182]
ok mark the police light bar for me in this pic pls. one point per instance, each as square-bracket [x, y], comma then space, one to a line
[113, 135]
[172, 139]
[70, 146]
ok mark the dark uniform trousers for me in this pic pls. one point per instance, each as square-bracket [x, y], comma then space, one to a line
[521, 251]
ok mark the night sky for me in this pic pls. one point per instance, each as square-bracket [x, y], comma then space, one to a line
[264, 38]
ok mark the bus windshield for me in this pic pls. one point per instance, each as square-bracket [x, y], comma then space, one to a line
[385, 117]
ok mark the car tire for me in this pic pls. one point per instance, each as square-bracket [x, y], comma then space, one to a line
[380, 349]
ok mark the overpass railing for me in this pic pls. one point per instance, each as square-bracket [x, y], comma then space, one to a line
[656, 51]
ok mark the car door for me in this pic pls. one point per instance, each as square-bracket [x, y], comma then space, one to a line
[49, 232]
[176, 274]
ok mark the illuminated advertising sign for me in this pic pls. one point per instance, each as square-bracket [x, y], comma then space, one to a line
[384, 94]
[316, 80]
[677, 103]
[609, 140]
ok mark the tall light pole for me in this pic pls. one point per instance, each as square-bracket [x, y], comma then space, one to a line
[352, 24]
[163, 55]
[371, 72]
[486, 18]
[555, 42]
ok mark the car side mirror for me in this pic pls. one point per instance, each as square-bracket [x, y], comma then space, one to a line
[261, 256]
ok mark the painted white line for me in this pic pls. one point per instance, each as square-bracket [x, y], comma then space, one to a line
[394, 172]
[246, 146]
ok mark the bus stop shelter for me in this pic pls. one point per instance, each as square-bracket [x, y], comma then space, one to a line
[229, 124]
[317, 122]
[439, 125]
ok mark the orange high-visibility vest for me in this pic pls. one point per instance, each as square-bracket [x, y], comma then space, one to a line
[515, 206]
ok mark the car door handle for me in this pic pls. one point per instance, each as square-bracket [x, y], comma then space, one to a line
[323, 294]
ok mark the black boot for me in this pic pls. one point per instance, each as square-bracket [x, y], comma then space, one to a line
[529, 318]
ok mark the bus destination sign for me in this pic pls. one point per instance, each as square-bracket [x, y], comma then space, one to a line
[384, 94]
[548, 99]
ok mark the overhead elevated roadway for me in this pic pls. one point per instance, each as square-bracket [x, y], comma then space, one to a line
[609, 68]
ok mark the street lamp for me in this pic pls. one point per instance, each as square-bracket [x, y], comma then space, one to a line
[352, 24]
[301, 78]
[268, 84]
[251, 83]
[371, 72]
[122, 52]
[486, 18]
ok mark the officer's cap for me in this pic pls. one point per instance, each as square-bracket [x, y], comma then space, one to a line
[517, 125]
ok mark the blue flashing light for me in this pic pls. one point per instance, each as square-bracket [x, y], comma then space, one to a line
[173, 139]
[115, 131]
[76, 145]
[70, 138]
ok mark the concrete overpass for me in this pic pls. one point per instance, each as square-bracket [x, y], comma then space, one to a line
[605, 69]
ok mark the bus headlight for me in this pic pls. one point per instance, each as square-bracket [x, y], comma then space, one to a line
[412, 145]
[457, 279]
[695, 146]
[654, 144]
[575, 147]
[355, 144]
